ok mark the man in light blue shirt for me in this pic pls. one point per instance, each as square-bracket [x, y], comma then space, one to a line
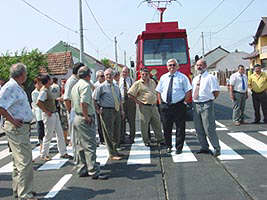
[173, 89]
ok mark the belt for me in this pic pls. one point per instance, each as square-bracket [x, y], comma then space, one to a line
[239, 92]
[148, 104]
[204, 102]
[258, 92]
[24, 122]
[108, 108]
[182, 101]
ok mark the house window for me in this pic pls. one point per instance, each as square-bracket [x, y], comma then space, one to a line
[264, 63]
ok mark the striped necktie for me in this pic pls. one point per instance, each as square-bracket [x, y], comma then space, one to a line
[196, 92]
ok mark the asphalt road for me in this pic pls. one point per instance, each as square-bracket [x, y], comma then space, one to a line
[150, 173]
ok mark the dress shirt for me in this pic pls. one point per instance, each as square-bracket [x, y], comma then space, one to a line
[36, 110]
[82, 93]
[14, 99]
[208, 85]
[236, 82]
[181, 85]
[129, 83]
[144, 93]
[103, 95]
[96, 84]
[68, 86]
[257, 83]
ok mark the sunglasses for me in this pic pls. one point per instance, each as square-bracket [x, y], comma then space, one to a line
[102, 76]
[171, 65]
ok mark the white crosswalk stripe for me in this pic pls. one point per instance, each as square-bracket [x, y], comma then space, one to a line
[139, 154]
[60, 184]
[185, 156]
[102, 155]
[251, 142]
[227, 153]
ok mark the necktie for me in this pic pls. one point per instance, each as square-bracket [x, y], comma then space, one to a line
[116, 101]
[125, 89]
[243, 82]
[196, 92]
[169, 92]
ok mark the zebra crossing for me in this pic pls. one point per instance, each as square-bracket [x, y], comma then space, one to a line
[140, 154]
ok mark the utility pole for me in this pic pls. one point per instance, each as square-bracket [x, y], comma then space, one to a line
[81, 31]
[116, 53]
[125, 58]
[203, 52]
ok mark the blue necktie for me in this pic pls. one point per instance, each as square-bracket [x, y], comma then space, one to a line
[243, 82]
[169, 92]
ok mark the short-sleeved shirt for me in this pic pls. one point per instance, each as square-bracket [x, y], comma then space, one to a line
[208, 85]
[236, 82]
[181, 85]
[129, 83]
[103, 95]
[144, 93]
[15, 101]
[68, 87]
[55, 90]
[257, 83]
[82, 93]
[36, 110]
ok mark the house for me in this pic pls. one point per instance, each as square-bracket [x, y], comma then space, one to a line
[231, 61]
[89, 61]
[59, 65]
[212, 57]
[259, 55]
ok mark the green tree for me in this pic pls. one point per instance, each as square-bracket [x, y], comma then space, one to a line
[34, 60]
[106, 62]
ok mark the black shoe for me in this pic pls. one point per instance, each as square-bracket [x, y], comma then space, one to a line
[169, 150]
[178, 151]
[255, 122]
[99, 176]
[83, 175]
[216, 153]
[204, 151]
[67, 156]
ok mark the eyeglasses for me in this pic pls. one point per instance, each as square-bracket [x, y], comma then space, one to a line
[172, 65]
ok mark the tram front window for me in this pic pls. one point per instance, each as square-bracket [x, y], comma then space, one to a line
[158, 52]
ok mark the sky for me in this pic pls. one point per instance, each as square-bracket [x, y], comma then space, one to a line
[23, 27]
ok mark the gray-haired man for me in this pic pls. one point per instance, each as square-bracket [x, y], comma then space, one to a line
[15, 108]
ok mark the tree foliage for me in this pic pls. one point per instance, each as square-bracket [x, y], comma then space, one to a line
[106, 62]
[34, 60]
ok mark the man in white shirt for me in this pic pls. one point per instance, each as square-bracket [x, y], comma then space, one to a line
[15, 107]
[239, 93]
[173, 90]
[205, 90]
[128, 104]
[37, 111]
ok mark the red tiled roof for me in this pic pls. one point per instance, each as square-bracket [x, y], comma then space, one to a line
[58, 63]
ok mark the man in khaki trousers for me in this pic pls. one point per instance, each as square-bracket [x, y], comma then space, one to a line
[15, 108]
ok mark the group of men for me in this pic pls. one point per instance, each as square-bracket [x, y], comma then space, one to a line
[111, 103]
[239, 84]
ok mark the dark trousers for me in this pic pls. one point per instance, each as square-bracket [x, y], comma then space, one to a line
[170, 114]
[99, 128]
[260, 100]
[40, 130]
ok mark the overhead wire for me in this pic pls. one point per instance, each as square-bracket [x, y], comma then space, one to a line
[231, 22]
[204, 19]
[52, 19]
[98, 24]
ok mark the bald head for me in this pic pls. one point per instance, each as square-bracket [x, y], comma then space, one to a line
[125, 72]
[84, 72]
[201, 66]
